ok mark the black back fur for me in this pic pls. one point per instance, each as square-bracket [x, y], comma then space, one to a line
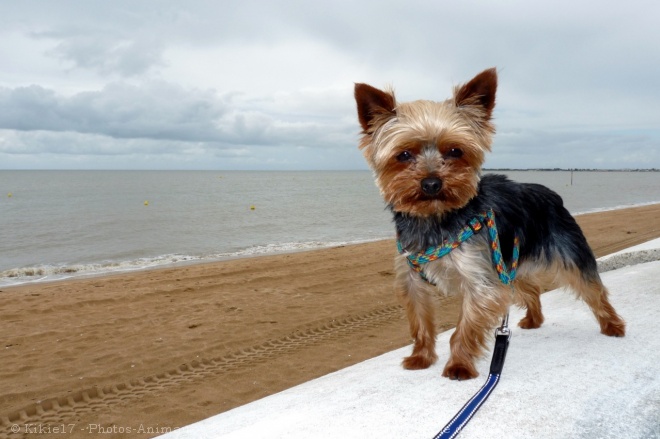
[537, 214]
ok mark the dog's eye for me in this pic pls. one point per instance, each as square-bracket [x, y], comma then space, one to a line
[405, 156]
[454, 153]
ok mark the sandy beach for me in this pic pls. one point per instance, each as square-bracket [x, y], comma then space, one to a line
[142, 353]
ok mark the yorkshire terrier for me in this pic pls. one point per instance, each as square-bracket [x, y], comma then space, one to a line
[427, 158]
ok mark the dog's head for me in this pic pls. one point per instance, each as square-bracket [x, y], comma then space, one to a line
[426, 155]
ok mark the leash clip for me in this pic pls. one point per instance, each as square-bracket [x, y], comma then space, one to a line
[504, 328]
[502, 337]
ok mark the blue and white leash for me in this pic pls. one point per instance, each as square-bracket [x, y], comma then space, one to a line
[502, 336]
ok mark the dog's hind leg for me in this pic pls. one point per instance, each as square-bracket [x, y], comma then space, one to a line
[528, 294]
[590, 288]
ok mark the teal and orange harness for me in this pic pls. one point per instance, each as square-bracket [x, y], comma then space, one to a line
[416, 261]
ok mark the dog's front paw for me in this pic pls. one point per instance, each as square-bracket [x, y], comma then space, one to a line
[459, 372]
[418, 361]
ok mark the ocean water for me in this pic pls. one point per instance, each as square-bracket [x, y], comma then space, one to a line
[60, 224]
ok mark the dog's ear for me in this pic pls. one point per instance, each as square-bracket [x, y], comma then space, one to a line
[372, 102]
[479, 91]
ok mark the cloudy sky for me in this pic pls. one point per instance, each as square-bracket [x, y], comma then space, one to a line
[267, 84]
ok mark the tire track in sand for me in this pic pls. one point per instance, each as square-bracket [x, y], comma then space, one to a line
[59, 410]
[635, 239]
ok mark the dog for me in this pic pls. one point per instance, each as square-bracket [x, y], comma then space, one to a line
[426, 157]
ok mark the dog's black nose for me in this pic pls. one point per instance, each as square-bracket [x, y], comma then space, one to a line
[431, 185]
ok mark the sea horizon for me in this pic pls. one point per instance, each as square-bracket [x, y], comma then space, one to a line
[324, 170]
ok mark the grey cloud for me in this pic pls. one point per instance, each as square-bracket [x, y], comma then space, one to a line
[164, 112]
[574, 149]
[157, 111]
[71, 150]
[127, 58]
[70, 143]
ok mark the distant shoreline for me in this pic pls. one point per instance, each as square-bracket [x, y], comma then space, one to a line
[322, 170]
[573, 169]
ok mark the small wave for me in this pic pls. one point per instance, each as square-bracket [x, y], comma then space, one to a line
[288, 247]
[45, 273]
[48, 273]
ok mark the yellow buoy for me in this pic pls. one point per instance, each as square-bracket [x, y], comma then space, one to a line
[9, 194]
[146, 203]
[252, 207]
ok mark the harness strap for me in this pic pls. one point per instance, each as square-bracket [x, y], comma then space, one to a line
[416, 261]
